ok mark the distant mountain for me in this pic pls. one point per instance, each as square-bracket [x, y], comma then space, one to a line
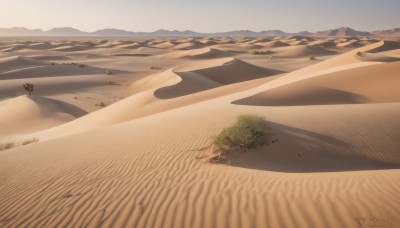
[273, 33]
[343, 31]
[19, 31]
[68, 31]
[390, 32]
[236, 33]
[113, 32]
[65, 31]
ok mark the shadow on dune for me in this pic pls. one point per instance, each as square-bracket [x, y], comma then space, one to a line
[303, 151]
[314, 96]
[228, 73]
[49, 105]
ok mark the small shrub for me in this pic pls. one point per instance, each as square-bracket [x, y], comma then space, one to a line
[28, 87]
[53, 64]
[248, 132]
[76, 98]
[112, 83]
[260, 52]
[108, 72]
[6, 146]
[81, 65]
[312, 58]
[101, 104]
[154, 68]
[33, 140]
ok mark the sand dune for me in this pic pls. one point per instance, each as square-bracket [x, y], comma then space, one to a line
[379, 57]
[26, 114]
[50, 71]
[203, 53]
[111, 174]
[344, 87]
[229, 72]
[18, 62]
[386, 46]
[352, 44]
[300, 51]
[69, 48]
[167, 44]
[134, 163]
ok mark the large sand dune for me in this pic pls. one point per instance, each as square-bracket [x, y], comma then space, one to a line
[134, 163]
[352, 86]
[26, 114]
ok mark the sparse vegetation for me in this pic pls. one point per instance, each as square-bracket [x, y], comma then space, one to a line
[154, 68]
[6, 146]
[81, 65]
[312, 58]
[101, 104]
[108, 72]
[28, 87]
[53, 64]
[112, 83]
[248, 132]
[33, 140]
[260, 52]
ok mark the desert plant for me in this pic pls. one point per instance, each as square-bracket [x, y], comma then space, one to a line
[313, 58]
[81, 65]
[33, 140]
[111, 83]
[108, 72]
[101, 104]
[260, 52]
[6, 146]
[28, 87]
[248, 132]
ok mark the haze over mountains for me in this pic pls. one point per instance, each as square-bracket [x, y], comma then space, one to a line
[68, 31]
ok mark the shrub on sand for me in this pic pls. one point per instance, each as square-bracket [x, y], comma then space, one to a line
[248, 132]
[28, 87]
[33, 140]
[6, 146]
[101, 104]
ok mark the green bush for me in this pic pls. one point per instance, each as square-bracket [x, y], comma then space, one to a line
[28, 87]
[248, 132]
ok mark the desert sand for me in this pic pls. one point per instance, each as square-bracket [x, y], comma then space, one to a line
[112, 134]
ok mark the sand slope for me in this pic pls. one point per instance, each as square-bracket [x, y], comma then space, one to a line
[125, 179]
[370, 84]
[229, 72]
[26, 114]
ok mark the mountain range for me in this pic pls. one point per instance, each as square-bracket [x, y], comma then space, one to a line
[68, 31]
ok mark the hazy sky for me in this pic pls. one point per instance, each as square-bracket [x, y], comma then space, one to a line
[202, 16]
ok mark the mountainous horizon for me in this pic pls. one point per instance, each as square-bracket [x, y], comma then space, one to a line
[69, 31]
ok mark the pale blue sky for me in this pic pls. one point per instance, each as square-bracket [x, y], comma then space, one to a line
[202, 16]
